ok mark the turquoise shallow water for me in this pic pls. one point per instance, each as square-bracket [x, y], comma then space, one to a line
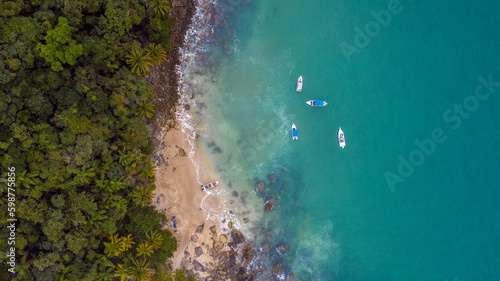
[336, 210]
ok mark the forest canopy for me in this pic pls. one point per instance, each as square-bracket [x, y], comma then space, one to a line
[73, 107]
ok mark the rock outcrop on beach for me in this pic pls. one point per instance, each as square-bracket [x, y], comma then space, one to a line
[229, 258]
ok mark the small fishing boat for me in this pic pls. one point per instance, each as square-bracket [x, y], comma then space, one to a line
[210, 185]
[316, 103]
[341, 138]
[294, 132]
[299, 84]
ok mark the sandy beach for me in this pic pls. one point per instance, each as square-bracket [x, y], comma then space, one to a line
[180, 194]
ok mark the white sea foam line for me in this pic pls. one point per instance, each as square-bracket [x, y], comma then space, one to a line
[188, 126]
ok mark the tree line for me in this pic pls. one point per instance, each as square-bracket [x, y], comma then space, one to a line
[73, 106]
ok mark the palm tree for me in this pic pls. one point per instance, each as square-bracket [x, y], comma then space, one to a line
[148, 171]
[155, 238]
[139, 60]
[113, 247]
[142, 195]
[145, 109]
[125, 159]
[144, 249]
[161, 7]
[25, 179]
[116, 184]
[139, 269]
[156, 52]
[122, 272]
[84, 176]
[126, 242]
[106, 275]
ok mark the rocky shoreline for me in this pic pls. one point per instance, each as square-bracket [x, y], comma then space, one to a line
[210, 254]
[164, 77]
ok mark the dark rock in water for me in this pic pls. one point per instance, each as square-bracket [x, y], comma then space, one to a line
[194, 238]
[245, 220]
[234, 193]
[277, 269]
[260, 186]
[213, 68]
[213, 229]
[269, 206]
[244, 195]
[248, 252]
[282, 247]
[272, 178]
[198, 266]
[216, 150]
[182, 152]
[229, 51]
[198, 251]
[211, 144]
[200, 228]
[187, 107]
[289, 277]
[237, 236]
[265, 248]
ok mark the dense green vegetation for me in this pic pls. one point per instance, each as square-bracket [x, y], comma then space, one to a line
[73, 103]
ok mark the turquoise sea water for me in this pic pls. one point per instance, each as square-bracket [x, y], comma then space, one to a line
[335, 209]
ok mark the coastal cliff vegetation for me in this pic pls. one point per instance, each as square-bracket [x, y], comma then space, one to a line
[74, 104]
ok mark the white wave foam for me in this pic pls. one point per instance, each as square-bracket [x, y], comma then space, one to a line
[223, 211]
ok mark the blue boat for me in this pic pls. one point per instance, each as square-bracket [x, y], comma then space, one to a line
[294, 132]
[316, 103]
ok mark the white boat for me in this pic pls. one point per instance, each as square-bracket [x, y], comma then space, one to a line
[299, 84]
[210, 185]
[294, 132]
[341, 138]
[316, 103]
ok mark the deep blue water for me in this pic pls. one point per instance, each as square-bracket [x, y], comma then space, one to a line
[340, 216]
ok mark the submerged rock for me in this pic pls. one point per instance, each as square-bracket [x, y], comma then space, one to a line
[265, 248]
[260, 186]
[282, 247]
[237, 236]
[269, 206]
[277, 269]
[272, 178]
[244, 195]
[289, 277]
[248, 252]
[245, 220]
[234, 193]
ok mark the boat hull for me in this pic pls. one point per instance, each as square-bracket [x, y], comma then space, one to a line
[294, 132]
[299, 84]
[209, 186]
[341, 138]
[317, 103]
